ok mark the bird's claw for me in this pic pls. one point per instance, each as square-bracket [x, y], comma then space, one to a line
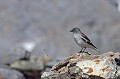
[88, 53]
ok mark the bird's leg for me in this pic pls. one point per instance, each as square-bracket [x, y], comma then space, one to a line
[84, 49]
[86, 52]
[81, 50]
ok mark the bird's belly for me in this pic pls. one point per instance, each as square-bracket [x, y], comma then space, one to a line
[80, 42]
[83, 44]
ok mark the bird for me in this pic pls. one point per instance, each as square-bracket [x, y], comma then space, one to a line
[82, 40]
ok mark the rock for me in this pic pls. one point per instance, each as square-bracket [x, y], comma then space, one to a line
[44, 58]
[34, 63]
[27, 65]
[32, 68]
[31, 74]
[83, 65]
[50, 64]
[10, 74]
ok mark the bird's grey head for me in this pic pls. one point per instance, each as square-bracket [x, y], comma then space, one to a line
[76, 30]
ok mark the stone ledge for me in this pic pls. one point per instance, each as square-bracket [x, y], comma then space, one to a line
[86, 66]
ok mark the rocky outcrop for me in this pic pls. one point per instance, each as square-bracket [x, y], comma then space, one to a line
[86, 66]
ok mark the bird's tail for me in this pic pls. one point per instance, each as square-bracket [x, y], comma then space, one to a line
[96, 49]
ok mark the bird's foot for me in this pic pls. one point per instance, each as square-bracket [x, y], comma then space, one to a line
[88, 53]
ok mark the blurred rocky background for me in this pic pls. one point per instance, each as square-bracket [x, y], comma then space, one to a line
[45, 24]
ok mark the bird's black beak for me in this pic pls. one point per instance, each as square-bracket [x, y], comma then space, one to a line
[71, 30]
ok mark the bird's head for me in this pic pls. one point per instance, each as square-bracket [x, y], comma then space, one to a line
[75, 30]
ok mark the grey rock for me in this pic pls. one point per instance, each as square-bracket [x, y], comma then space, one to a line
[11, 74]
[26, 65]
[83, 65]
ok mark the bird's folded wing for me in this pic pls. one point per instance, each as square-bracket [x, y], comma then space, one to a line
[86, 39]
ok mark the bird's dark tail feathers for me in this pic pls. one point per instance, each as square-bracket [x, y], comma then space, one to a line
[96, 49]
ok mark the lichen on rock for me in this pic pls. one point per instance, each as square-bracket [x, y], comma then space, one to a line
[86, 66]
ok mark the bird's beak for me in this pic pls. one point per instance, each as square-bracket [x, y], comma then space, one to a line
[71, 30]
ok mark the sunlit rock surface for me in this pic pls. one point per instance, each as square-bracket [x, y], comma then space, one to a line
[84, 65]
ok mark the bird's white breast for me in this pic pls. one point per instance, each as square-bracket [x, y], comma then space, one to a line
[77, 37]
[78, 40]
